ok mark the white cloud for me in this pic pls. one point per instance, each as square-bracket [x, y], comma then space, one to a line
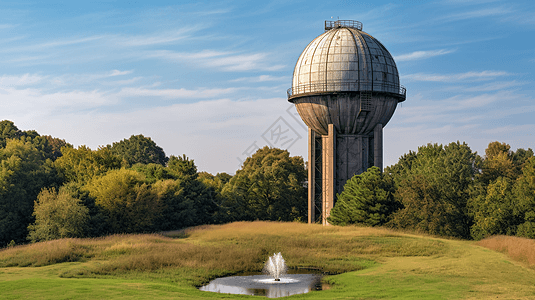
[261, 78]
[417, 55]
[478, 13]
[494, 86]
[228, 61]
[7, 26]
[511, 129]
[174, 93]
[20, 80]
[122, 82]
[25, 103]
[457, 109]
[119, 73]
[166, 37]
[84, 78]
[475, 76]
[60, 43]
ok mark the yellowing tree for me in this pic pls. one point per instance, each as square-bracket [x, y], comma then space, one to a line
[57, 215]
[82, 164]
[129, 204]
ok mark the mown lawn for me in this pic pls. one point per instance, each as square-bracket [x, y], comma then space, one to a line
[365, 263]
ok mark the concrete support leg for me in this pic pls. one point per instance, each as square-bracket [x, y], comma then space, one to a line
[329, 171]
[311, 176]
[378, 146]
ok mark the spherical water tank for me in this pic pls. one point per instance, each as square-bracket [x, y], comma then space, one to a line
[347, 78]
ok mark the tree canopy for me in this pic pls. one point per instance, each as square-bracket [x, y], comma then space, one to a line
[367, 199]
[139, 149]
[57, 215]
[269, 186]
[434, 189]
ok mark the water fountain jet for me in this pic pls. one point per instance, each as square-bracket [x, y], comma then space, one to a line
[275, 266]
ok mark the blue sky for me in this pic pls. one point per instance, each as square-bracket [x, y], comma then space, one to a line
[209, 79]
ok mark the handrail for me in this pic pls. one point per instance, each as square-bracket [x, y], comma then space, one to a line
[343, 23]
[347, 86]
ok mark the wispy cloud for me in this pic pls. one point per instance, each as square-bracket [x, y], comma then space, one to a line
[494, 86]
[119, 73]
[493, 11]
[156, 38]
[511, 129]
[122, 82]
[20, 80]
[261, 78]
[227, 61]
[457, 109]
[6, 26]
[29, 102]
[418, 55]
[174, 93]
[85, 78]
[63, 42]
[474, 76]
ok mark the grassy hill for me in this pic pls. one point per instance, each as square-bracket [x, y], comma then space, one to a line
[365, 263]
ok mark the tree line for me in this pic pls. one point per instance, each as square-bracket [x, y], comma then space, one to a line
[448, 191]
[50, 189]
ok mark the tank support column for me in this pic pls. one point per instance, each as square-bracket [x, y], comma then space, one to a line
[311, 176]
[378, 146]
[329, 171]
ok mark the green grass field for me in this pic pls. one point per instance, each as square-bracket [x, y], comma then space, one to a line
[364, 263]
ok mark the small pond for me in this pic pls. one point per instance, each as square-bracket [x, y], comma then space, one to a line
[264, 285]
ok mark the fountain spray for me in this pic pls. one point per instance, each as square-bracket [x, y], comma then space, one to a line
[275, 266]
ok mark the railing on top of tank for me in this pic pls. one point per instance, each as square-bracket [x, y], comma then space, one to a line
[343, 23]
[348, 86]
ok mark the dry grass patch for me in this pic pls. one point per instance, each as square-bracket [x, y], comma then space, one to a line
[517, 248]
[230, 248]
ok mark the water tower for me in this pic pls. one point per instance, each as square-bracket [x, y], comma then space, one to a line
[345, 88]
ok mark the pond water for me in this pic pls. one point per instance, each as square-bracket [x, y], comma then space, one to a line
[265, 285]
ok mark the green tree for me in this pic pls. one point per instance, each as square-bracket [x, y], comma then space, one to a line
[153, 172]
[127, 201]
[270, 186]
[8, 131]
[217, 182]
[24, 171]
[524, 193]
[178, 209]
[493, 211]
[139, 149]
[492, 204]
[57, 215]
[498, 162]
[194, 190]
[434, 190]
[97, 220]
[366, 199]
[83, 164]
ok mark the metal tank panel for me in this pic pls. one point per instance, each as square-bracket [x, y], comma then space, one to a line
[345, 59]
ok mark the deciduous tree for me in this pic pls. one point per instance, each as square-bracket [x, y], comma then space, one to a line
[434, 190]
[24, 171]
[270, 186]
[139, 149]
[57, 215]
[128, 202]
